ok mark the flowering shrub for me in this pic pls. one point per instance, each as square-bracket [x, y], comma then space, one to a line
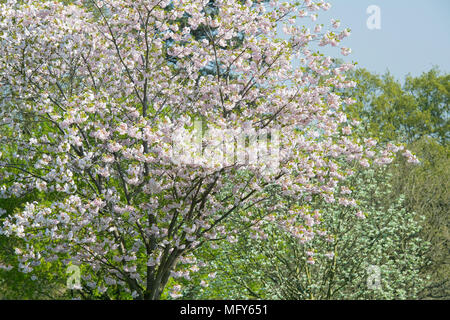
[376, 253]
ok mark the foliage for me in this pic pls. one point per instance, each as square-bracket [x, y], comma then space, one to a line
[426, 189]
[395, 112]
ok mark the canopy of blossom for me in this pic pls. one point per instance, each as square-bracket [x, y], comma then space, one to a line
[98, 98]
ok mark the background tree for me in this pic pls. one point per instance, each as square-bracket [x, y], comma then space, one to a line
[396, 112]
[417, 113]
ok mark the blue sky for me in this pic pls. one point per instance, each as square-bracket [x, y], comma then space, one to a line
[414, 35]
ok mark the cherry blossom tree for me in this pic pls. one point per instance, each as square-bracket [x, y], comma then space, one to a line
[91, 108]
